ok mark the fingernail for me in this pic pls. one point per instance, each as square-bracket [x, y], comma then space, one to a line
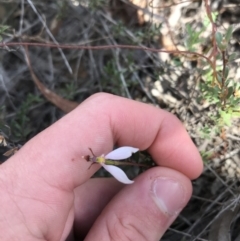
[169, 195]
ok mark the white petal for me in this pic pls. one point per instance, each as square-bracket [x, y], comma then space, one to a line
[121, 153]
[118, 173]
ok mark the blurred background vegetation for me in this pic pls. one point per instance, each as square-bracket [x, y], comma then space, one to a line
[182, 56]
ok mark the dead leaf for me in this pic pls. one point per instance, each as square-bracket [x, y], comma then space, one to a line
[11, 152]
[63, 104]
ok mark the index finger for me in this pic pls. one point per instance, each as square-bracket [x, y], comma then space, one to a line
[100, 122]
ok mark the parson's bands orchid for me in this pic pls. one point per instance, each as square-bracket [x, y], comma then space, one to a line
[117, 154]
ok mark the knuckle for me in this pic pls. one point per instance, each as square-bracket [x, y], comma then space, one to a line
[125, 227]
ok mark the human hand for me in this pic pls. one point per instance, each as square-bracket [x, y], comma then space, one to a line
[45, 186]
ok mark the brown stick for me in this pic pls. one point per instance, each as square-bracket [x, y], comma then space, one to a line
[120, 46]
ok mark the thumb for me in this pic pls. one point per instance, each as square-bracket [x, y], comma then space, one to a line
[145, 209]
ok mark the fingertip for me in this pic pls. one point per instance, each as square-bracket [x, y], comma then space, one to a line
[174, 148]
[145, 209]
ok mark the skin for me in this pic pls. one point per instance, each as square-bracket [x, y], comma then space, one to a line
[47, 194]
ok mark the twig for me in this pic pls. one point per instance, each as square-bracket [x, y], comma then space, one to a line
[232, 204]
[21, 18]
[101, 47]
[51, 36]
[119, 67]
[207, 210]
[214, 30]
[186, 234]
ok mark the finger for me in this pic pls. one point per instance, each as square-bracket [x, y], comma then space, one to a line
[144, 210]
[45, 172]
[146, 127]
[90, 199]
[99, 123]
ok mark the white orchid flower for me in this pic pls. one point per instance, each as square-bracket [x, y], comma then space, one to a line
[118, 154]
